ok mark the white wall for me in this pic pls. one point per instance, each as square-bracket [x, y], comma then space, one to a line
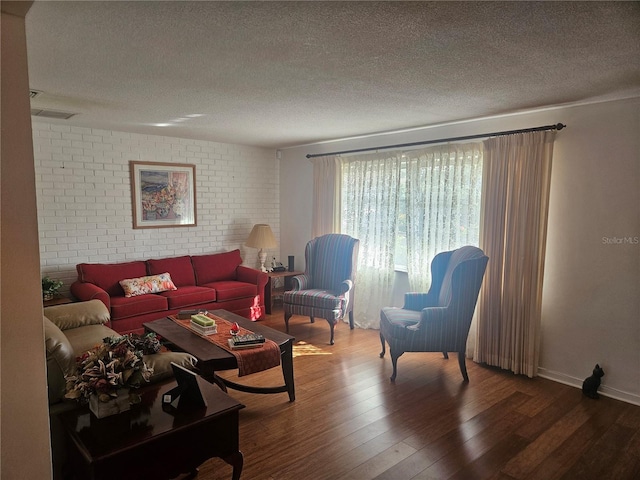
[591, 300]
[84, 197]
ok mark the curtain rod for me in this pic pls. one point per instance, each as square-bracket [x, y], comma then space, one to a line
[558, 126]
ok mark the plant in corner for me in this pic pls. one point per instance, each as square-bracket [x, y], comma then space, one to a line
[111, 366]
[50, 287]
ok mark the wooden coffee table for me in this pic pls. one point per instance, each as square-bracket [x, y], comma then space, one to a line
[153, 440]
[212, 358]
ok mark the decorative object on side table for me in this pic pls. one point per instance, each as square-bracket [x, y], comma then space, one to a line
[261, 237]
[106, 373]
[50, 287]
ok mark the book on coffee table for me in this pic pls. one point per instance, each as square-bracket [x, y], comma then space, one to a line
[248, 339]
[186, 314]
[243, 347]
[203, 330]
[203, 324]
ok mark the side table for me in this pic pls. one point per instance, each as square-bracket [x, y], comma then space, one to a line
[154, 440]
[58, 299]
[273, 291]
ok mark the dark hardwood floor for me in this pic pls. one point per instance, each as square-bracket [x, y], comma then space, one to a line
[350, 422]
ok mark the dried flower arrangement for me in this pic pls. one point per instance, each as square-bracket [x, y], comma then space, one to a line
[112, 365]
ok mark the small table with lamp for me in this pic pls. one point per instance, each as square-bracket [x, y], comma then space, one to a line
[273, 291]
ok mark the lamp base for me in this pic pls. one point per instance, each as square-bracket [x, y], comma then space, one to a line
[262, 256]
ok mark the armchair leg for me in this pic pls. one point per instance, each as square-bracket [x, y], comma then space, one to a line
[332, 326]
[312, 319]
[463, 365]
[394, 362]
[384, 346]
[287, 316]
[445, 355]
[351, 324]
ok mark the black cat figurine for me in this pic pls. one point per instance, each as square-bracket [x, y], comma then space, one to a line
[591, 384]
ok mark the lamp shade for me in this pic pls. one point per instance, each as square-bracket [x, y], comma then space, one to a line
[261, 237]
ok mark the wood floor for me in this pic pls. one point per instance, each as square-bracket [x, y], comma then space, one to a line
[350, 422]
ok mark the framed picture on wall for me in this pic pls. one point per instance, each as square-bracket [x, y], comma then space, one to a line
[163, 194]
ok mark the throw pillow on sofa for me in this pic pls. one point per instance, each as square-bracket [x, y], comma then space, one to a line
[150, 284]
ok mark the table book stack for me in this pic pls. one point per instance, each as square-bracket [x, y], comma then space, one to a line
[250, 340]
[203, 325]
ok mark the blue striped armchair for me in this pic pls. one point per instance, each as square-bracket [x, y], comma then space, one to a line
[326, 288]
[437, 321]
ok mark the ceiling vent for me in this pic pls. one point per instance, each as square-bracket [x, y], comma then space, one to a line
[37, 112]
[34, 93]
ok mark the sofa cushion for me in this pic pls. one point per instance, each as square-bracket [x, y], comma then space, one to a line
[189, 296]
[216, 267]
[85, 338]
[79, 314]
[124, 307]
[230, 290]
[161, 364]
[180, 269]
[108, 275]
[61, 360]
[144, 285]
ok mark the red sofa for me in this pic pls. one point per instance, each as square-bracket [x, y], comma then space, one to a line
[215, 281]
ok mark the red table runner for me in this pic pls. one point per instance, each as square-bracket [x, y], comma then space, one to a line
[250, 360]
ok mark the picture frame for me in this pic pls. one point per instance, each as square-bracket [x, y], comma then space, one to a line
[187, 393]
[163, 194]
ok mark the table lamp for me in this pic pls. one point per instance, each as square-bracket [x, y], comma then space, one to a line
[261, 237]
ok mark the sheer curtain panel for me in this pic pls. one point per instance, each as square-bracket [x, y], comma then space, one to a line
[370, 185]
[515, 204]
[443, 186]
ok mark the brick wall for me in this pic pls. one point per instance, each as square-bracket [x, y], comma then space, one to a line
[84, 197]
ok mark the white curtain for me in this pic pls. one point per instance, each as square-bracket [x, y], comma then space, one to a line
[515, 204]
[370, 195]
[325, 217]
[443, 195]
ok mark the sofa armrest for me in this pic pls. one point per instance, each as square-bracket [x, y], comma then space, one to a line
[418, 300]
[346, 286]
[301, 282]
[251, 275]
[60, 360]
[161, 364]
[78, 314]
[85, 291]
[256, 277]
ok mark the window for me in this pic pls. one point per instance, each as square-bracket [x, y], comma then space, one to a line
[406, 207]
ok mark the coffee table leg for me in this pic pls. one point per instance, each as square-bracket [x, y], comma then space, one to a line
[236, 461]
[218, 381]
[287, 370]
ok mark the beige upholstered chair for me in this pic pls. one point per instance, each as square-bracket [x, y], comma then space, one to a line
[437, 321]
[326, 288]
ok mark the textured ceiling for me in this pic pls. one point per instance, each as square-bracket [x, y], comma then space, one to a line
[278, 74]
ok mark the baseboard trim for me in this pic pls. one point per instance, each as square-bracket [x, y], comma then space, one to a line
[577, 382]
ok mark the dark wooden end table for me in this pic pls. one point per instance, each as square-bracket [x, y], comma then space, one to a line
[212, 358]
[271, 292]
[153, 440]
[58, 299]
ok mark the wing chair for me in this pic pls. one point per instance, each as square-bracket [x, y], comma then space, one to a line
[325, 290]
[437, 321]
